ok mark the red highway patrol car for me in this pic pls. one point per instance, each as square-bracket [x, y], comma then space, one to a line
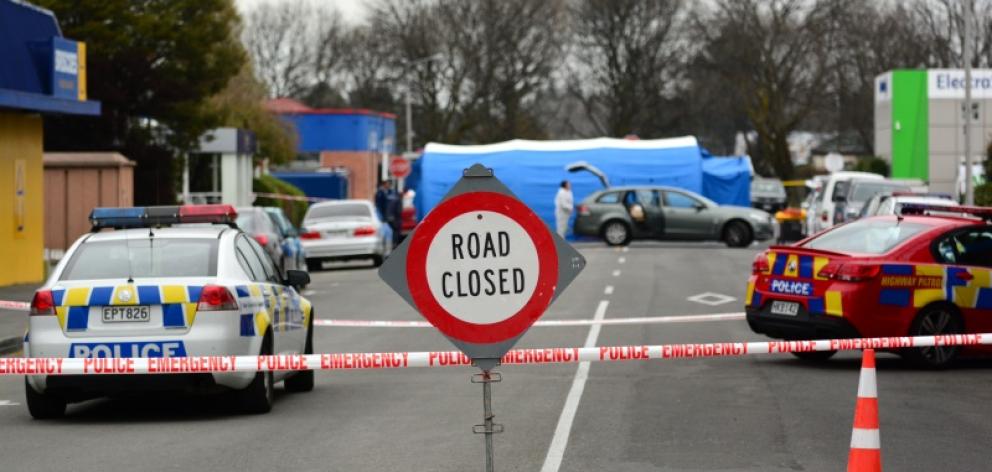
[927, 271]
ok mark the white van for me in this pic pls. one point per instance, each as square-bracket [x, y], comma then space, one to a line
[823, 215]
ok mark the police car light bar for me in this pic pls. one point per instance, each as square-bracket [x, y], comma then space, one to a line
[150, 217]
[984, 213]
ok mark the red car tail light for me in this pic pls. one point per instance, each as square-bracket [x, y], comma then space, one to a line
[42, 303]
[310, 235]
[850, 271]
[262, 239]
[760, 264]
[216, 298]
[583, 210]
[364, 231]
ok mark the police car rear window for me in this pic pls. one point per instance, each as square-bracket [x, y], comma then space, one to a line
[866, 236]
[158, 257]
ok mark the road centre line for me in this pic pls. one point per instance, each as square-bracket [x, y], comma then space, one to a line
[337, 323]
[608, 290]
[616, 273]
[622, 260]
[556, 451]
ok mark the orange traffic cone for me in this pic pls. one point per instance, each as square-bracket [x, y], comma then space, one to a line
[866, 453]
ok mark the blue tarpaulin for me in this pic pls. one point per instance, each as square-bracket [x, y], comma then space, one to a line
[317, 184]
[533, 170]
[727, 180]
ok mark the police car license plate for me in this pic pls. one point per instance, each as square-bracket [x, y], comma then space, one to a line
[126, 314]
[785, 308]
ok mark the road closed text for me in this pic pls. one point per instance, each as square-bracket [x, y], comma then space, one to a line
[476, 282]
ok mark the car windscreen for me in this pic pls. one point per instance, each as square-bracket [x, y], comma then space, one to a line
[339, 211]
[871, 236]
[145, 257]
[767, 186]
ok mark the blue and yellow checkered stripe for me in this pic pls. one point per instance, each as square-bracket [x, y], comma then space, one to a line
[974, 294]
[72, 305]
[796, 265]
[280, 310]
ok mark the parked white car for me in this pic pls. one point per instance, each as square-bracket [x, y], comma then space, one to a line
[344, 230]
[825, 203]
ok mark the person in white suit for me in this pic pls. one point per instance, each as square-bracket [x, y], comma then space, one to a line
[563, 207]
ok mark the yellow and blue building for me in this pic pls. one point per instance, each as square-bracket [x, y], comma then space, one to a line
[41, 73]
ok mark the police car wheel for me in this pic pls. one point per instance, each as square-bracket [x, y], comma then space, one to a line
[302, 381]
[932, 321]
[43, 406]
[257, 396]
[815, 356]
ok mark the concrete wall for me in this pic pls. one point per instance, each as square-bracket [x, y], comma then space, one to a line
[21, 199]
[363, 169]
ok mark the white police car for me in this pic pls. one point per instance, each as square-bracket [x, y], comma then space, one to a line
[159, 287]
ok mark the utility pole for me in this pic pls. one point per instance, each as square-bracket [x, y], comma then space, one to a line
[969, 196]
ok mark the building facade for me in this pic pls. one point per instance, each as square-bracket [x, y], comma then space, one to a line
[358, 141]
[40, 73]
[919, 124]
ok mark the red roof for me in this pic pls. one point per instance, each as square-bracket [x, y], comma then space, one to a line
[289, 106]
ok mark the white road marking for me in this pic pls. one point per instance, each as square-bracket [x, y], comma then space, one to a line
[625, 249]
[307, 293]
[616, 273]
[8, 403]
[555, 323]
[556, 451]
[711, 298]
[608, 290]
[622, 260]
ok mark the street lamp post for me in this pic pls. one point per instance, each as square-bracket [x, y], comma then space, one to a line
[969, 195]
[409, 90]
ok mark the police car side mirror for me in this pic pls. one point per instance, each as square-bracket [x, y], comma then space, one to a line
[297, 278]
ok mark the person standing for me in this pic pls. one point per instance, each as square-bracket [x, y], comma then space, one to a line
[563, 207]
[390, 207]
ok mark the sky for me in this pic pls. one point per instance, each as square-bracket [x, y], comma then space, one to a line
[352, 11]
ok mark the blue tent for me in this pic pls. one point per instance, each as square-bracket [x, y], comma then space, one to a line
[727, 180]
[533, 170]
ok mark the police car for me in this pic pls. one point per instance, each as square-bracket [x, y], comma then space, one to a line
[166, 282]
[927, 271]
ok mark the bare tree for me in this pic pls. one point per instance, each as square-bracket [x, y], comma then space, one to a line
[630, 56]
[774, 57]
[296, 46]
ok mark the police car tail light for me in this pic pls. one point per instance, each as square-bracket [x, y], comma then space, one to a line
[850, 271]
[310, 235]
[42, 303]
[364, 231]
[760, 264]
[216, 298]
[220, 214]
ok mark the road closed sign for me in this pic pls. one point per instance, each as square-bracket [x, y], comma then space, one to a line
[481, 267]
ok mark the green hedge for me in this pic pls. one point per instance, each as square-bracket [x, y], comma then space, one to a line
[983, 194]
[269, 184]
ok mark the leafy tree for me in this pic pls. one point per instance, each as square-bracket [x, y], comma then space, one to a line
[153, 64]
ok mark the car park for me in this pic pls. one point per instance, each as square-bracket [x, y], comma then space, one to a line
[768, 194]
[831, 189]
[257, 223]
[851, 195]
[293, 254]
[619, 215]
[891, 203]
[927, 271]
[344, 230]
[166, 282]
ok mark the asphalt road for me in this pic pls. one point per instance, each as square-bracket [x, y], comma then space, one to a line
[765, 413]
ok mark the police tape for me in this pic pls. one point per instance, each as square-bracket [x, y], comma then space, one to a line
[16, 306]
[579, 322]
[279, 196]
[402, 360]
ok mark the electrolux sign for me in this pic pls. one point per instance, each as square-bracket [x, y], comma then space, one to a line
[68, 69]
[949, 83]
